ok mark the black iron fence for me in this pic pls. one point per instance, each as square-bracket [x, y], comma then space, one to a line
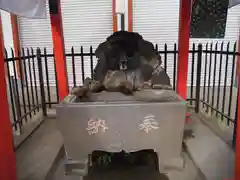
[218, 95]
[211, 78]
[23, 94]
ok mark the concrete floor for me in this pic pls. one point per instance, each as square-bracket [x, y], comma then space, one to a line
[37, 154]
[211, 154]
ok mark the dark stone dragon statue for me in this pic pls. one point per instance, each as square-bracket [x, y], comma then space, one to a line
[126, 63]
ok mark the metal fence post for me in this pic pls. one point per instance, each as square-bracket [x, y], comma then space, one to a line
[15, 97]
[122, 16]
[198, 81]
[41, 82]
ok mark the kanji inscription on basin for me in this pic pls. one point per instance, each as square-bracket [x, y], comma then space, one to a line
[149, 123]
[96, 125]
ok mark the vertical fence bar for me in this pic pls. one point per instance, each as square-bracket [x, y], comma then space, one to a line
[205, 75]
[209, 76]
[225, 81]
[55, 72]
[174, 66]
[165, 56]
[82, 65]
[15, 87]
[219, 76]
[26, 81]
[91, 61]
[47, 78]
[41, 82]
[31, 80]
[73, 67]
[11, 90]
[35, 78]
[214, 76]
[22, 85]
[122, 20]
[192, 73]
[232, 81]
[156, 47]
[198, 81]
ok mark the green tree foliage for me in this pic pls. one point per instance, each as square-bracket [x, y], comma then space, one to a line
[209, 18]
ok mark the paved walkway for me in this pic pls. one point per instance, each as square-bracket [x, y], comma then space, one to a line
[210, 153]
[36, 156]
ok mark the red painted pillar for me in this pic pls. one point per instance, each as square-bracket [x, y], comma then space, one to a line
[7, 156]
[130, 15]
[238, 60]
[237, 154]
[58, 46]
[183, 43]
[114, 15]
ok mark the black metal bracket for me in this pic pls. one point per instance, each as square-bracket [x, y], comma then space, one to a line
[53, 6]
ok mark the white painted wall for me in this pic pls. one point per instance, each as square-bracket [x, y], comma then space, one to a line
[7, 36]
[7, 30]
[8, 43]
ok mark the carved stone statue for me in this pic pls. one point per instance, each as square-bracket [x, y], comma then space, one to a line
[126, 63]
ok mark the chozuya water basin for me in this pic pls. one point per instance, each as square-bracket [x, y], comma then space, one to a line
[111, 121]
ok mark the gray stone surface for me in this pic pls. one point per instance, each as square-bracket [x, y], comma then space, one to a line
[36, 156]
[209, 152]
[130, 126]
